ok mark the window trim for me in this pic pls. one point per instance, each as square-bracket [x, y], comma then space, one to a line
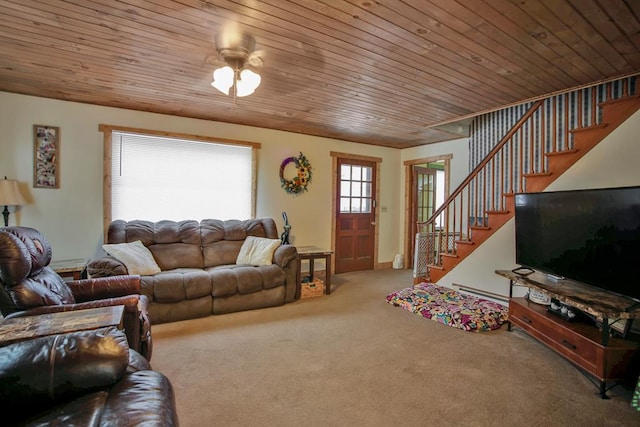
[108, 130]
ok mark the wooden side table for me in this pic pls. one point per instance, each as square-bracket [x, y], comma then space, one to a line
[312, 253]
[69, 268]
[29, 327]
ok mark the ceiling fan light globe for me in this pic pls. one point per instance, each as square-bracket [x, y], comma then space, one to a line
[250, 78]
[220, 87]
[223, 79]
[247, 83]
[243, 89]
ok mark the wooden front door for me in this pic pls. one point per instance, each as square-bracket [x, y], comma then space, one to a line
[355, 215]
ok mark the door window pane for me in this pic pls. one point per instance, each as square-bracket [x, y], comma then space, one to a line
[366, 174]
[366, 186]
[345, 204]
[356, 173]
[345, 188]
[345, 172]
[355, 189]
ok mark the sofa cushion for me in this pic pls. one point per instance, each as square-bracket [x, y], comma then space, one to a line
[257, 251]
[223, 281]
[222, 240]
[135, 256]
[177, 255]
[224, 252]
[177, 285]
[235, 279]
[173, 244]
[272, 276]
[249, 279]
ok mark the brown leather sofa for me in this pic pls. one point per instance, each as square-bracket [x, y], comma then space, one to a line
[87, 378]
[28, 286]
[199, 275]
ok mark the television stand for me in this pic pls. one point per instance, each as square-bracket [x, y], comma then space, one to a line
[602, 358]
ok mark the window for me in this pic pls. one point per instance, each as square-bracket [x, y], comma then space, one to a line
[355, 188]
[156, 177]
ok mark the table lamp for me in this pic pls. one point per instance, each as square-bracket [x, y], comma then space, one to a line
[9, 196]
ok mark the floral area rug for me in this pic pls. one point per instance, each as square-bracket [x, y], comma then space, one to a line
[450, 307]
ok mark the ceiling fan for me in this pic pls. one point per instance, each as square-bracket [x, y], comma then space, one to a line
[239, 62]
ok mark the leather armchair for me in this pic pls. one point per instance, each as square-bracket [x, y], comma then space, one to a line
[82, 378]
[28, 286]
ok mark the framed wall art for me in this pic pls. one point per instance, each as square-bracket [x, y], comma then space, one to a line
[46, 156]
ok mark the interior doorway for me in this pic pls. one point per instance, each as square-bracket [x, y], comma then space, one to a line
[426, 187]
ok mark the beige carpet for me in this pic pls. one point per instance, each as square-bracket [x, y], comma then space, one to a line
[352, 359]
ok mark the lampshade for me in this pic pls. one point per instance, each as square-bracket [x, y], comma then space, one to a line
[9, 196]
[10, 193]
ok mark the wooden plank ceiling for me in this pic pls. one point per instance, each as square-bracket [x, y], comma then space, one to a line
[385, 73]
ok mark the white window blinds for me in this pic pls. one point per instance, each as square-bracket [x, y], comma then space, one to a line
[155, 178]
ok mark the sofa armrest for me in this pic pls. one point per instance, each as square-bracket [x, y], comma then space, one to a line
[104, 287]
[49, 369]
[131, 303]
[284, 254]
[146, 397]
[105, 266]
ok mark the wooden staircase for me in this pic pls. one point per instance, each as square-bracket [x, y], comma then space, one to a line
[523, 161]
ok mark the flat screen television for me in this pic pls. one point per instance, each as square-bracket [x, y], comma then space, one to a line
[590, 236]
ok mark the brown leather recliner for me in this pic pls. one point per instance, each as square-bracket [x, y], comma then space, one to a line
[85, 378]
[28, 286]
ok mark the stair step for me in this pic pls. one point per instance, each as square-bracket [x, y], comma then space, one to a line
[464, 242]
[598, 126]
[478, 227]
[536, 174]
[498, 212]
[560, 153]
[449, 255]
[630, 98]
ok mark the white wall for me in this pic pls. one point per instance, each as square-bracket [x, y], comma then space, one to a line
[612, 163]
[457, 148]
[71, 216]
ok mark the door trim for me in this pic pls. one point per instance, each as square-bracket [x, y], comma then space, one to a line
[408, 197]
[334, 191]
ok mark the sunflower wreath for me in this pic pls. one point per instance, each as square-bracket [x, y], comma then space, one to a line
[298, 183]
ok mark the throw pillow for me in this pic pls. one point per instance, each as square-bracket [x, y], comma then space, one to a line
[135, 256]
[257, 251]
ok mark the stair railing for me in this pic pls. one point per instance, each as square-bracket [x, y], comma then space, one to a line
[522, 152]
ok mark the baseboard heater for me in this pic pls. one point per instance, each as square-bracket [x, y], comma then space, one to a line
[480, 293]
